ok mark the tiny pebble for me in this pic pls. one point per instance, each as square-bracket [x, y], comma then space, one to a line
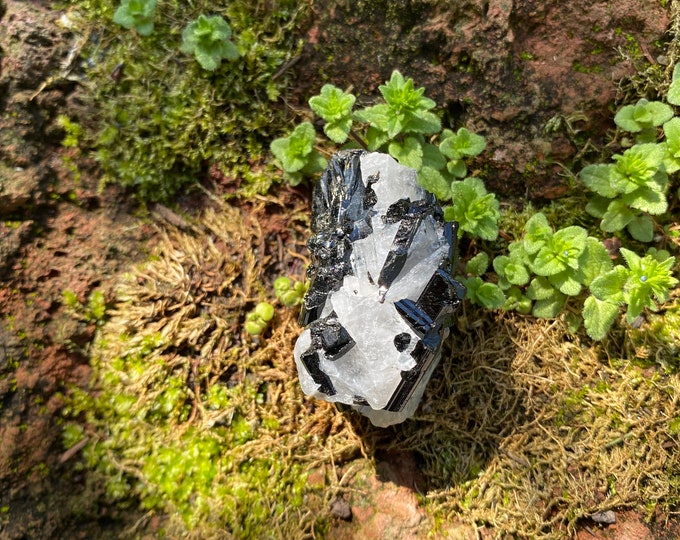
[340, 508]
[604, 518]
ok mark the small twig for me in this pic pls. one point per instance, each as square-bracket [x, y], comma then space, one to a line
[618, 440]
[285, 66]
[74, 450]
[359, 140]
[590, 531]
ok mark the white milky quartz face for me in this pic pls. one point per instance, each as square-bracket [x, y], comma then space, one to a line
[365, 344]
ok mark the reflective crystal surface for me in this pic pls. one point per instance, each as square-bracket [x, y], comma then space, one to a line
[381, 297]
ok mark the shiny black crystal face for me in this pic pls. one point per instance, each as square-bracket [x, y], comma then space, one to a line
[343, 213]
[340, 215]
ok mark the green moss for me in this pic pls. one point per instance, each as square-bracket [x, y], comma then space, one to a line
[579, 67]
[164, 119]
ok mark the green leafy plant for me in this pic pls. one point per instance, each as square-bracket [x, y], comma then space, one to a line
[475, 210]
[546, 271]
[486, 294]
[207, 38]
[136, 14]
[406, 127]
[459, 146]
[549, 267]
[258, 319]
[630, 190]
[406, 110]
[290, 293]
[296, 154]
[646, 279]
[643, 118]
[335, 107]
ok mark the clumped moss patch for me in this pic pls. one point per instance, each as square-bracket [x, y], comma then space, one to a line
[163, 119]
[544, 429]
[190, 415]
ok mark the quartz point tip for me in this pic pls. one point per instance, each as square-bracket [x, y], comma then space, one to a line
[382, 297]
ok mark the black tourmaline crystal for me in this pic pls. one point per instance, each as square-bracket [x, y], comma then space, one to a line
[381, 298]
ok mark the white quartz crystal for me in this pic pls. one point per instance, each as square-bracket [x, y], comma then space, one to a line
[381, 297]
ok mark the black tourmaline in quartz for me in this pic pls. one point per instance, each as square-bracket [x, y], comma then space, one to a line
[382, 297]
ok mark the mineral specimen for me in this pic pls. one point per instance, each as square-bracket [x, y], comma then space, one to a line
[381, 298]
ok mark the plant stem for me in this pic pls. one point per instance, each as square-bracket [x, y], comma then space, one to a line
[353, 134]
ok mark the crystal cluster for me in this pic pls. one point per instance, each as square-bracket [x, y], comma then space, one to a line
[381, 297]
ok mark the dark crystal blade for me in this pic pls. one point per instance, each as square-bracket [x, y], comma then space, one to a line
[424, 358]
[311, 360]
[396, 257]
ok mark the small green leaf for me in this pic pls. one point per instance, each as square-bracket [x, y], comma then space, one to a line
[289, 293]
[617, 216]
[537, 233]
[515, 300]
[457, 168]
[648, 200]
[598, 317]
[642, 228]
[594, 261]
[540, 289]
[432, 157]
[375, 138]
[597, 178]
[548, 263]
[377, 116]
[597, 206]
[490, 296]
[609, 286]
[265, 311]
[477, 265]
[550, 307]
[316, 163]
[471, 285]
[423, 122]
[409, 152]
[294, 178]
[566, 283]
[659, 113]
[637, 301]
[432, 180]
